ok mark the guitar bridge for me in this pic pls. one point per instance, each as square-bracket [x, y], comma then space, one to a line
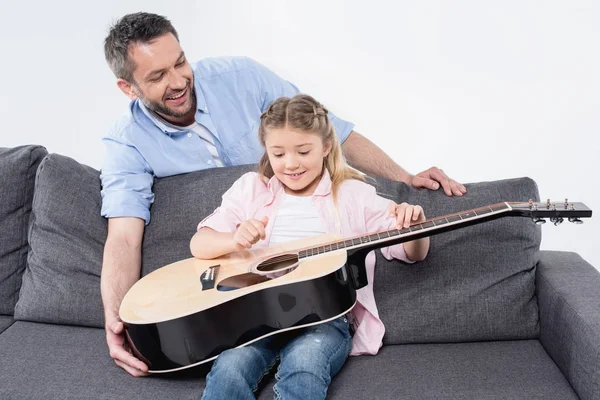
[208, 277]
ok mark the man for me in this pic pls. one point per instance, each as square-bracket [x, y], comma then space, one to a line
[183, 119]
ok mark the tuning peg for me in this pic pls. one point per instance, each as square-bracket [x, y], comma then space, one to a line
[557, 221]
[539, 221]
[575, 220]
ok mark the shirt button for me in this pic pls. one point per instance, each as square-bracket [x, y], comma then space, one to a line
[209, 162]
[190, 134]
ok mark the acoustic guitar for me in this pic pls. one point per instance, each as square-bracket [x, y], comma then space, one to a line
[188, 312]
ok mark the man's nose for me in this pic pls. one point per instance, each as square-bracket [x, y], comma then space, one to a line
[178, 81]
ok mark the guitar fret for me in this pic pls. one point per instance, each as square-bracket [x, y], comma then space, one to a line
[467, 215]
[483, 211]
[453, 218]
[374, 237]
[427, 224]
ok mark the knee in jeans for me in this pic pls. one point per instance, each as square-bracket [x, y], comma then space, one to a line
[309, 360]
[231, 362]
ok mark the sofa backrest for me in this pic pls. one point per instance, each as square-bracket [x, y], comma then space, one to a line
[17, 175]
[477, 283]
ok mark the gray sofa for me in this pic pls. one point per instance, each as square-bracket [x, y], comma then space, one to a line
[486, 316]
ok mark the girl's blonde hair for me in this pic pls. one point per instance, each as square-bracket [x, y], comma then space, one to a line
[304, 113]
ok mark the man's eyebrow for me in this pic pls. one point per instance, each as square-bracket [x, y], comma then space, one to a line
[158, 71]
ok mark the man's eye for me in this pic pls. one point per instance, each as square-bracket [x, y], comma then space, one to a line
[180, 63]
[157, 79]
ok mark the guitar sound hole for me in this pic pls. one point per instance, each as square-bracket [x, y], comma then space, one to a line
[283, 263]
[240, 281]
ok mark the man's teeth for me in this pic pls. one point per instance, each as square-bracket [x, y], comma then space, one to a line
[177, 96]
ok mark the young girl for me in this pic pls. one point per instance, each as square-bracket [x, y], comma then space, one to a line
[302, 179]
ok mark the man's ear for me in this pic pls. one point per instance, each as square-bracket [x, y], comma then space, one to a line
[127, 88]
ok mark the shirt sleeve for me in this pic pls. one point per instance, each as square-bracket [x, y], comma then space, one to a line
[126, 182]
[377, 219]
[272, 87]
[232, 210]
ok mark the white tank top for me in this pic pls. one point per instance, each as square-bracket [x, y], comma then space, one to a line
[296, 218]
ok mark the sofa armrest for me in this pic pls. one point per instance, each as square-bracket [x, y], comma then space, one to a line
[568, 292]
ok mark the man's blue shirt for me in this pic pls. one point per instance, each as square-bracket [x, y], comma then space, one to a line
[231, 95]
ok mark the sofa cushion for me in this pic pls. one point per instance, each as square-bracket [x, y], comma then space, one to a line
[477, 283]
[17, 175]
[73, 363]
[44, 361]
[67, 235]
[453, 371]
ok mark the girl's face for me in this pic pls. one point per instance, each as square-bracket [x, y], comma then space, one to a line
[296, 158]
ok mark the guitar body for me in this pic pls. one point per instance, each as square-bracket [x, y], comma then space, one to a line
[176, 318]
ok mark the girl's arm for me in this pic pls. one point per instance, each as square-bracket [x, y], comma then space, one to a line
[208, 243]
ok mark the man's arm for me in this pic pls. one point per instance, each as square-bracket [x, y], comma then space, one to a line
[365, 156]
[121, 268]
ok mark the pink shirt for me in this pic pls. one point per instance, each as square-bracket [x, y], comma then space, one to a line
[361, 211]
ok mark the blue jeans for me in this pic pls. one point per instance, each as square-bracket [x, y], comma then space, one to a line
[308, 359]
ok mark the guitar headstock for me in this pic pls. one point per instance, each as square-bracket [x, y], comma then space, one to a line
[555, 211]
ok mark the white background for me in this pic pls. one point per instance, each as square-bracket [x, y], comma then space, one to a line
[485, 90]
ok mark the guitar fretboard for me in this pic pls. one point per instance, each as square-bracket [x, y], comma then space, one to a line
[385, 236]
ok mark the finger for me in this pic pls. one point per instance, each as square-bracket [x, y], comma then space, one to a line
[455, 188]
[249, 237]
[392, 208]
[416, 213]
[260, 229]
[117, 327]
[245, 243]
[424, 182]
[399, 215]
[407, 216]
[118, 353]
[264, 220]
[131, 370]
[241, 241]
[252, 229]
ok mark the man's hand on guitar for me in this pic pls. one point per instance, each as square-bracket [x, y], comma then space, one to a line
[250, 232]
[119, 349]
[406, 213]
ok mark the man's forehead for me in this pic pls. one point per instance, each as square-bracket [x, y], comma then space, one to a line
[155, 54]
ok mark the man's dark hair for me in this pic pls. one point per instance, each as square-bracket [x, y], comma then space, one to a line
[131, 29]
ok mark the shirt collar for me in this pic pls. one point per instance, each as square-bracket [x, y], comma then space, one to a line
[161, 123]
[323, 188]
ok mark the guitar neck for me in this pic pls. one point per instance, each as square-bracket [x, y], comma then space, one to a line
[537, 211]
[415, 231]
